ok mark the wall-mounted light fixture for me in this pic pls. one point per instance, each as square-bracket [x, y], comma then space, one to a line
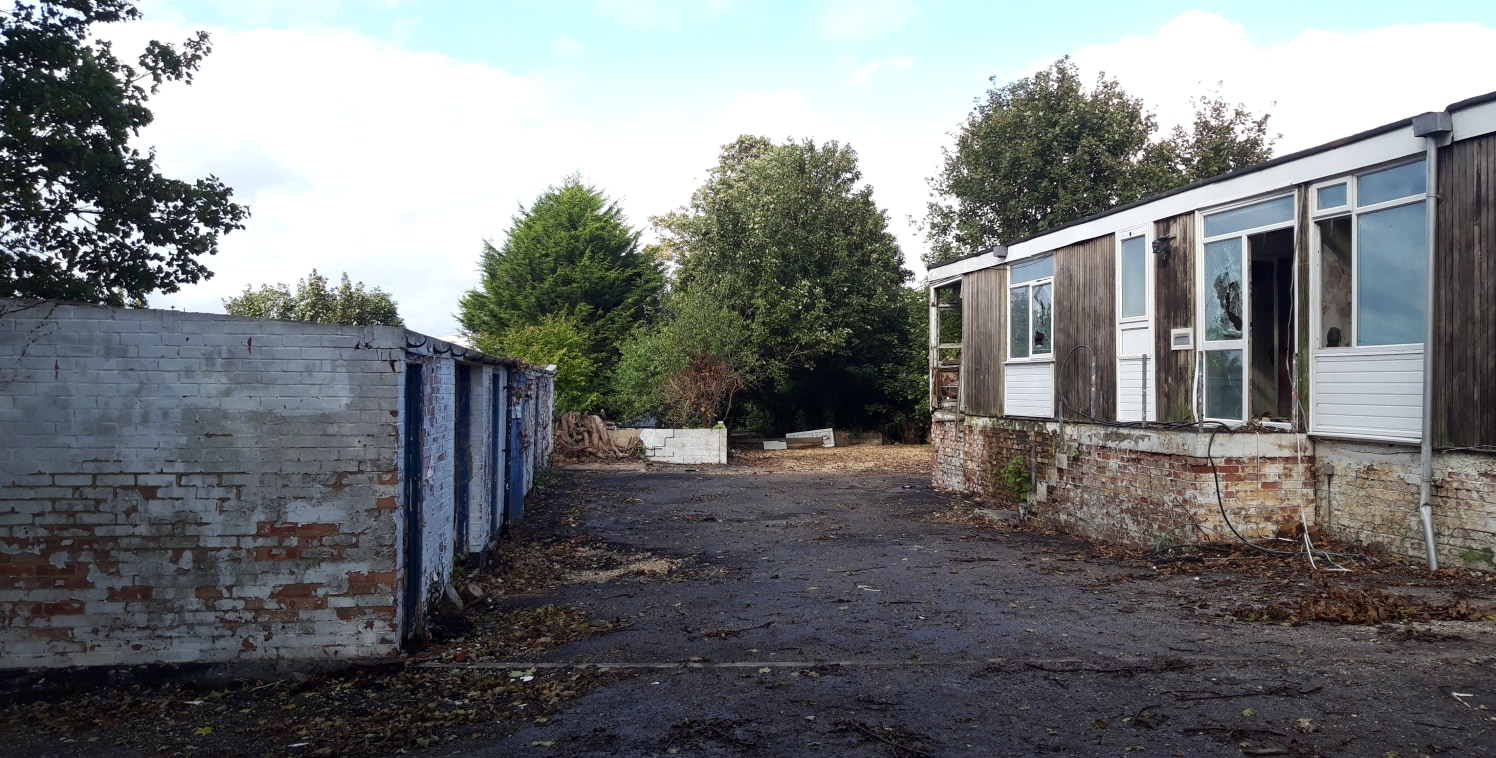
[1162, 247]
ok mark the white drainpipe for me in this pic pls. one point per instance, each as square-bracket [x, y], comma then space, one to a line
[1433, 127]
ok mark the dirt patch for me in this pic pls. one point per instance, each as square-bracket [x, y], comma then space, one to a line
[891, 459]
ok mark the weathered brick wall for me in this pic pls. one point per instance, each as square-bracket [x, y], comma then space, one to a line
[972, 453]
[186, 487]
[1129, 486]
[1373, 498]
[480, 503]
[438, 439]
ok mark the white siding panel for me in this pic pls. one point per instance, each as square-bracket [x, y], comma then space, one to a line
[1028, 390]
[1368, 395]
[1130, 390]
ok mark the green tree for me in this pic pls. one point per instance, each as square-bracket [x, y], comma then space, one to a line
[85, 216]
[571, 254]
[688, 366]
[557, 339]
[314, 301]
[787, 237]
[1045, 150]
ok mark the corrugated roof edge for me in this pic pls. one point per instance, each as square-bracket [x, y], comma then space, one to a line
[420, 343]
[1280, 160]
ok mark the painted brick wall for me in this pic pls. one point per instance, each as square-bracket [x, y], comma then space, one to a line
[187, 487]
[684, 445]
[1131, 487]
[1373, 498]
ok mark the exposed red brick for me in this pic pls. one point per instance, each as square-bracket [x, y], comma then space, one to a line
[301, 589]
[130, 594]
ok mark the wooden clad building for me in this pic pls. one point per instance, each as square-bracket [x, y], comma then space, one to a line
[1330, 306]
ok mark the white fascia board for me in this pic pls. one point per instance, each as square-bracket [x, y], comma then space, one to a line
[1379, 148]
[947, 271]
[1474, 121]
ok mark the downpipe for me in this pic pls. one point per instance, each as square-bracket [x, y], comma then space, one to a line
[1430, 126]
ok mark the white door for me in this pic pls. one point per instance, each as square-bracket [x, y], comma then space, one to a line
[1136, 393]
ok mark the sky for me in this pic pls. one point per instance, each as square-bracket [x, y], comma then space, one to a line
[391, 138]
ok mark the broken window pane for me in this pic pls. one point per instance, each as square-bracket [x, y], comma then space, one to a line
[1223, 289]
[1043, 319]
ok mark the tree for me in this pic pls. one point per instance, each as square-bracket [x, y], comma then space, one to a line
[688, 366]
[313, 301]
[1223, 138]
[787, 238]
[557, 339]
[572, 255]
[85, 216]
[1044, 151]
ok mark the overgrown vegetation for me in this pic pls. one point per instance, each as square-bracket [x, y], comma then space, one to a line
[786, 241]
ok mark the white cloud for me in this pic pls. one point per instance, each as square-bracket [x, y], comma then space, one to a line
[567, 46]
[865, 19]
[355, 156]
[863, 74]
[359, 156]
[1319, 86]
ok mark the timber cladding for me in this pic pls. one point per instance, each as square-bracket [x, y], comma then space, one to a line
[1085, 313]
[1464, 349]
[984, 334]
[1174, 304]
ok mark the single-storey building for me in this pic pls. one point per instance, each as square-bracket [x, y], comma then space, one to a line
[1307, 340]
[195, 488]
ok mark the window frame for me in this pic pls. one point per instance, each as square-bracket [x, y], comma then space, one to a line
[1242, 344]
[1030, 285]
[1352, 210]
[1146, 233]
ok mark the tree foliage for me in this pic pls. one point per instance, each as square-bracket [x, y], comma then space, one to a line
[571, 254]
[688, 366]
[557, 339]
[788, 239]
[314, 301]
[1046, 150]
[84, 215]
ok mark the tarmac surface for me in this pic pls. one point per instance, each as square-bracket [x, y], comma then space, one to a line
[850, 610]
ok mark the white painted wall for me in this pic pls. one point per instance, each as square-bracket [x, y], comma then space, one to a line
[684, 445]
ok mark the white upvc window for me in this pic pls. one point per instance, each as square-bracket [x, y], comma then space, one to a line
[1235, 238]
[1371, 231]
[1369, 307]
[1031, 310]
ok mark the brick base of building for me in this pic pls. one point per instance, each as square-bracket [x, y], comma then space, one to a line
[1130, 486]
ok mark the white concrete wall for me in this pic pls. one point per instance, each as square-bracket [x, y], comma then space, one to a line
[684, 445]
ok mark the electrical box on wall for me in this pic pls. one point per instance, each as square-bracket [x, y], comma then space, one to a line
[1182, 339]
